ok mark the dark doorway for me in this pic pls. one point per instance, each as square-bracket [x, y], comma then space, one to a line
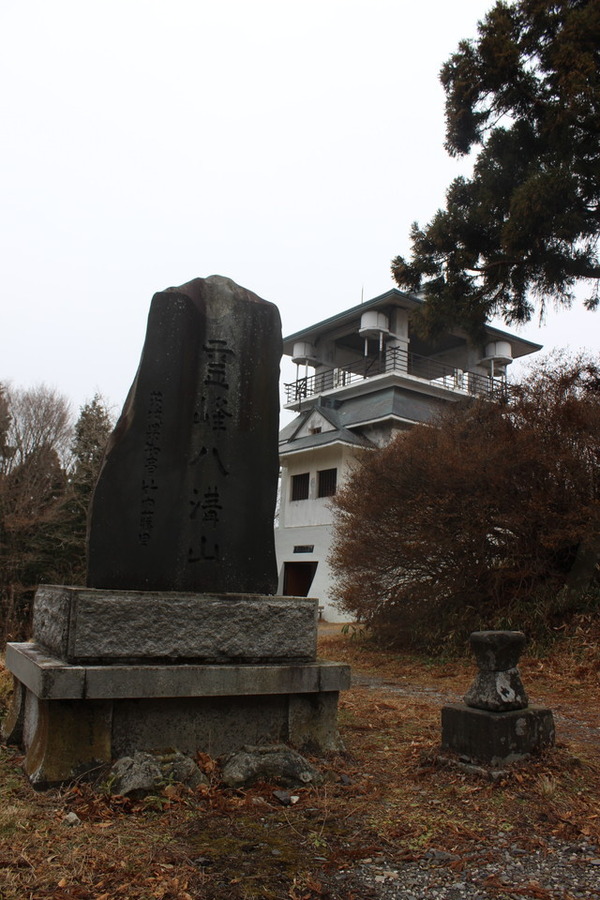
[297, 578]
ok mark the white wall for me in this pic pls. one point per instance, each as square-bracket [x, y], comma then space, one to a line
[315, 510]
[320, 537]
[308, 522]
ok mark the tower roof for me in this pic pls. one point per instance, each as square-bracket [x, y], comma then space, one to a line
[396, 298]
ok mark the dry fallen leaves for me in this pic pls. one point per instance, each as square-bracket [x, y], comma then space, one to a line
[385, 795]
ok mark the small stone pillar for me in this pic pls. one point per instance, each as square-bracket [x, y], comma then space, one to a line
[496, 724]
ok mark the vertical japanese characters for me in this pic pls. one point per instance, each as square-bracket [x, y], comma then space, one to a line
[154, 423]
[211, 419]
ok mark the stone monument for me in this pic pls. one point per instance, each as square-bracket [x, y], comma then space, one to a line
[186, 496]
[496, 724]
[178, 641]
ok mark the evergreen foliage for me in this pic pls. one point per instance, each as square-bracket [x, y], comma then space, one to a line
[47, 473]
[524, 228]
[90, 435]
[489, 519]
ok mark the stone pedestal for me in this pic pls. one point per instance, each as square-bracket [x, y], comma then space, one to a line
[109, 673]
[496, 738]
[87, 626]
[495, 724]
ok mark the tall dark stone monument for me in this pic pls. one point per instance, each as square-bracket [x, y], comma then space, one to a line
[179, 641]
[186, 496]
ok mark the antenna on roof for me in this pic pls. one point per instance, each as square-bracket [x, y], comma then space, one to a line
[362, 294]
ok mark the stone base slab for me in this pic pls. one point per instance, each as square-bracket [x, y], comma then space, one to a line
[496, 737]
[67, 739]
[217, 726]
[50, 678]
[64, 739]
[72, 719]
[87, 626]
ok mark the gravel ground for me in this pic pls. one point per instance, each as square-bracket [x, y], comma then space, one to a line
[558, 871]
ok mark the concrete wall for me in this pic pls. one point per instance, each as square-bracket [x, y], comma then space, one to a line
[319, 536]
[315, 510]
[308, 522]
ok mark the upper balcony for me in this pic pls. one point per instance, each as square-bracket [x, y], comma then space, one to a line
[425, 373]
[373, 346]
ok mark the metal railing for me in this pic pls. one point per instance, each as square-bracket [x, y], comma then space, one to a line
[398, 360]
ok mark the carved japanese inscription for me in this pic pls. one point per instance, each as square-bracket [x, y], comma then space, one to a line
[186, 496]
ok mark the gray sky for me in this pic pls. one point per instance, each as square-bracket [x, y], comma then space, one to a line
[287, 145]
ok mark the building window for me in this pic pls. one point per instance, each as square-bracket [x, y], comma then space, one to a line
[300, 485]
[327, 482]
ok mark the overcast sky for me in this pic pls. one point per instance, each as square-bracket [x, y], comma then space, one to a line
[287, 145]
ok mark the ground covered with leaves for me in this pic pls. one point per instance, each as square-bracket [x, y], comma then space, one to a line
[387, 796]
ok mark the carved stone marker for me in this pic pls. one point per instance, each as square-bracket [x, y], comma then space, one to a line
[186, 496]
[178, 640]
[498, 686]
[495, 724]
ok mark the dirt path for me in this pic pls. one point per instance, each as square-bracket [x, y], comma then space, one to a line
[577, 717]
[573, 722]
